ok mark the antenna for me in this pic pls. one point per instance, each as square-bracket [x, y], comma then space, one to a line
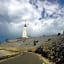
[25, 21]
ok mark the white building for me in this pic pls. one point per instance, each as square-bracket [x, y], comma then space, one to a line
[24, 34]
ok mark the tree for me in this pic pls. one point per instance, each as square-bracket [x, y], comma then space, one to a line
[35, 41]
[59, 34]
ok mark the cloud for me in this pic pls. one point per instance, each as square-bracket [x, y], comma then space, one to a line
[42, 17]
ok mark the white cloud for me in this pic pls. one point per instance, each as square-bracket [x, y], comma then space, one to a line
[18, 11]
[29, 12]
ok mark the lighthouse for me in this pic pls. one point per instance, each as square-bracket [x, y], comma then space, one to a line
[24, 34]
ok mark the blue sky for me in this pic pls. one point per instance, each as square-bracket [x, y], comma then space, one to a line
[42, 17]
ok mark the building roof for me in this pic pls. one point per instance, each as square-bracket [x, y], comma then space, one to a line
[25, 25]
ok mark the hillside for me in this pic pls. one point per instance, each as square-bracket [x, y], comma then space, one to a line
[53, 49]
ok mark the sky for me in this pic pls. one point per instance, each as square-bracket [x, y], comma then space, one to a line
[43, 17]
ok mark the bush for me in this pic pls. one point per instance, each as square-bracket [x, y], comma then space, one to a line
[39, 50]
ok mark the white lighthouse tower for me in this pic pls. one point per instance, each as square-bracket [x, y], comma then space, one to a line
[24, 34]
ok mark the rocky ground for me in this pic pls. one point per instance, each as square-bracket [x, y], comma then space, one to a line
[53, 49]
